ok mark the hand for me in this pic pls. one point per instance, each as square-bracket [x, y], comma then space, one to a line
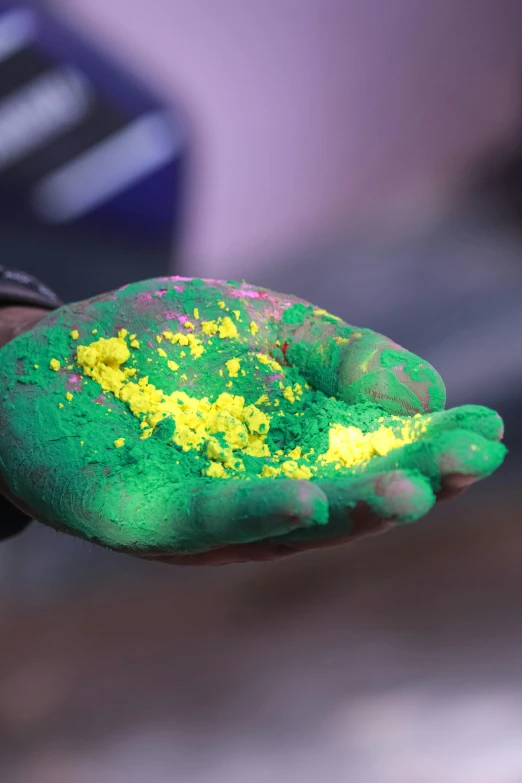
[208, 422]
[15, 320]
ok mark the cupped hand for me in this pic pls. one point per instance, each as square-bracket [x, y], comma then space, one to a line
[207, 422]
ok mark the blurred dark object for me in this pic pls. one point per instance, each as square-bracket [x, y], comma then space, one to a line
[91, 162]
[13, 520]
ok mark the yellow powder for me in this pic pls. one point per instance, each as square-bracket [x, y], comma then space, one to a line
[288, 394]
[350, 446]
[233, 367]
[268, 471]
[227, 328]
[195, 344]
[215, 470]
[325, 312]
[209, 327]
[228, 428]
[162, 353]
[173, 366]
[267, 360]
[54, 364]
[293, 470]
[75, 334]
[254, 328]
[244, 427]
[68, 396]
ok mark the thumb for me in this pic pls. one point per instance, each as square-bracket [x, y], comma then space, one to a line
[373, 368]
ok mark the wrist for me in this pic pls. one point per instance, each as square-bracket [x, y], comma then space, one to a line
[17, 319]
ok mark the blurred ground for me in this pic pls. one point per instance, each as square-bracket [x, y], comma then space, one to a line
[393, 661]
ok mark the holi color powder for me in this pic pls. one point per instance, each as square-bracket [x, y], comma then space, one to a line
[182, 380]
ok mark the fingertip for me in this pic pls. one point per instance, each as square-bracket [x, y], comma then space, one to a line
[466, 453]
[299, 503]
[309, 502]
[402, 495]
[477, 419]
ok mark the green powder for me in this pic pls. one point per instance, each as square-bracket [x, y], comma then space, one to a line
[83, 459]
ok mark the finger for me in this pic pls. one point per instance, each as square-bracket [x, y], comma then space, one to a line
[359, 365]
[444, 457]
[359, 506]
[376, 369]
[362, 505]
[475, 418]
[237, 512]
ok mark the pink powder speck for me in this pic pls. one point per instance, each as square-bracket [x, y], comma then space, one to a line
[237, 293]
[160, 292]
[169, 315]
[144, 298]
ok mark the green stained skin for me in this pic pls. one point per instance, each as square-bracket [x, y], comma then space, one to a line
[149, 497]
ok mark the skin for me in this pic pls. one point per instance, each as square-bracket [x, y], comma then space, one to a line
[216, 521]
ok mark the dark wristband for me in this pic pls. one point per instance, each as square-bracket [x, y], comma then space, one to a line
[19, 288]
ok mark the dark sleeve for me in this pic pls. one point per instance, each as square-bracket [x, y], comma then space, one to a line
[12, 520]
[20, 288]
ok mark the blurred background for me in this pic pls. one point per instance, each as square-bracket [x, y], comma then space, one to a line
[365, 155]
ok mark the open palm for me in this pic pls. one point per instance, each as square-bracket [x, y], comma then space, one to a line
[204, 421]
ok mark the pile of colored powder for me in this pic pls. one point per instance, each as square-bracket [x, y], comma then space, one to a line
[224, 409]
